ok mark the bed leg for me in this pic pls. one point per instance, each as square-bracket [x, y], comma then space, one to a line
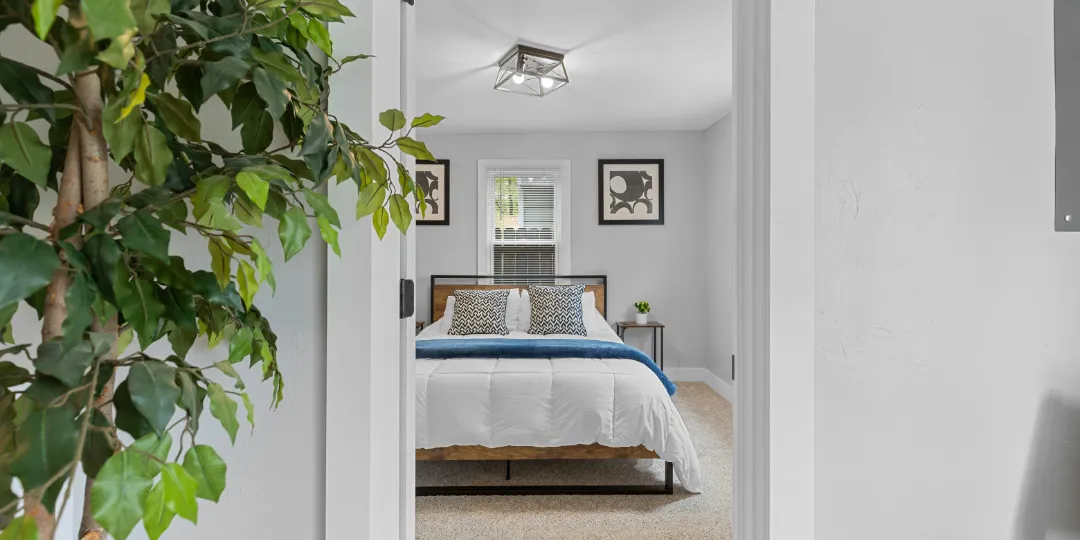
[669, 483]
[508, 469]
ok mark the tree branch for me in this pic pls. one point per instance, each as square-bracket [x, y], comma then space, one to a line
[8, 216]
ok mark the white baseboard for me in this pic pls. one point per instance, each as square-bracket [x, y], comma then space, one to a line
[718, 385]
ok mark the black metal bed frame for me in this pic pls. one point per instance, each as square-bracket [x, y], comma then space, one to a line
[427, 491]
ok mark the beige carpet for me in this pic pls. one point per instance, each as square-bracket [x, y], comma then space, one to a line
[682, 515]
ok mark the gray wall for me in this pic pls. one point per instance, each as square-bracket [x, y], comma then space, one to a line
[720, 221]
[948, 363]
[662, 264]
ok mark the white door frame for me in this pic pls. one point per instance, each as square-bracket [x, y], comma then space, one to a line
[774, 388]
[774, 414]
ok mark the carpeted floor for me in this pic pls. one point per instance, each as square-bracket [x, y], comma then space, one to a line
[682, 516]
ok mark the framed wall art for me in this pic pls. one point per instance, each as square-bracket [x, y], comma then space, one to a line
[631, 191]
[433, 177]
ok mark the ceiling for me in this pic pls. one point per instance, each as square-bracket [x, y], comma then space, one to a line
[633, 64]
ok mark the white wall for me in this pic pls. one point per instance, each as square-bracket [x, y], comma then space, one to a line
[720, 224]
[948, 359]
[661, 264]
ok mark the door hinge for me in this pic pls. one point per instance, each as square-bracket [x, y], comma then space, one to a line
[733, 367]
[410, 2]
[408, 298]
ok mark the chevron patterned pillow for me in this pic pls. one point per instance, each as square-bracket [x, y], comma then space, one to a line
[556, 310]
[479, 312]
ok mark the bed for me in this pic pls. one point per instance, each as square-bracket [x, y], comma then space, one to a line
[608, 403]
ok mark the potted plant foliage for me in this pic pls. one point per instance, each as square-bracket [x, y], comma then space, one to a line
[643, 309]
[126, 87]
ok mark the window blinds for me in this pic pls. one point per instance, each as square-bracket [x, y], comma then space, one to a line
[524, 211]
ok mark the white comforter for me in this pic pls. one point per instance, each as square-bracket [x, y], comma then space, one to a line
[497, 402]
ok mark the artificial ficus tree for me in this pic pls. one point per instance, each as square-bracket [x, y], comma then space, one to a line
[131, 78]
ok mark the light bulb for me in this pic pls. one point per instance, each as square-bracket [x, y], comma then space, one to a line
[519, 78]
[547, 82]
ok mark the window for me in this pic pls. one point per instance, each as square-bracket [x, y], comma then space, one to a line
[523, 225]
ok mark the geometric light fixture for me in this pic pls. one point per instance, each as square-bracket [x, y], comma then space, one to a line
[531, 71]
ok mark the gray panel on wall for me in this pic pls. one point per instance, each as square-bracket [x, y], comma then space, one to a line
[1067, 60]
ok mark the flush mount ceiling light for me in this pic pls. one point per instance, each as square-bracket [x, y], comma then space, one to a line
[531, 71]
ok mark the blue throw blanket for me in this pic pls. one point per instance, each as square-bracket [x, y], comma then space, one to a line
[536, 348]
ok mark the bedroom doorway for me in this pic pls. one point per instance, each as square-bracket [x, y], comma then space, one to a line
[579, 186]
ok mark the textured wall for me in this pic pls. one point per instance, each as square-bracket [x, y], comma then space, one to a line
[661, 264]
[947, 344]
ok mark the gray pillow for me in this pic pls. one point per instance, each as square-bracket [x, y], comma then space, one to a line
[556, 310]
[479, 312]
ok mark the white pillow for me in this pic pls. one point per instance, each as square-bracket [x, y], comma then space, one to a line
[513, 308]
[589, 314]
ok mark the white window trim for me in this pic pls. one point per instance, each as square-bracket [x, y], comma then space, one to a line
[482, 167]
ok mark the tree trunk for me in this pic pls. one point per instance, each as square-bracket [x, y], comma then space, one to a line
[95, 189]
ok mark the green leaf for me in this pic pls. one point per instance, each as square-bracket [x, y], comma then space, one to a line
[218, 76]
[380, 219]
[181, 340]
[415, 148]
[224, 409]
[44, 15]
[101, 215]
[156, 517]
[247, 282]
[371, 199]
[120, 134]
[154, 392]
[142, 232]
[250, 408]
[229, 370]
[355, 57]
[77, 55]
[263, 265]
[103, 255]
[374, 165]
[400, 213]
[320, 37]
[65, 365]
[26, 266]
[293, 231]
[152, 156]
[321, 205]
[52, 436]
[180, 488]
[146, 13]
[151, 446]
[317, 136]
[119, 491]
[21, 528]
[208, 469]
[141, 307]
[392, 119]
[329, 234]
[255, 187]
[124, 339]
[257, 133]
[178, 116]
[10, 374]
[22, 150]
[427, 120]
[98, 447]
[220, 262]
[246, 104]
[137, 96]
[277, 64]
[79, 299]
[120, 51]
[127, 418]
[272, 90]
[327, 10]
[108, 18]
[25, 87]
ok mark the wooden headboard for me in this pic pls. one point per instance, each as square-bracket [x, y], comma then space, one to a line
[443, 287]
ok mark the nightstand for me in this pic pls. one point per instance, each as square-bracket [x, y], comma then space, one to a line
[657, 328]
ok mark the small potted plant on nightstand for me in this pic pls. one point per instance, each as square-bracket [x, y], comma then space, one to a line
[642, 311]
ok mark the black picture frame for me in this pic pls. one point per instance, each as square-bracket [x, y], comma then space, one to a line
[443, 190]
[601, 183]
